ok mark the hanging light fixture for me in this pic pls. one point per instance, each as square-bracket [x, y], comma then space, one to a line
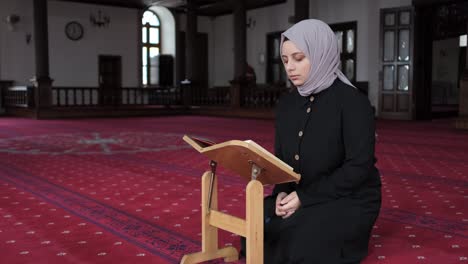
[101, 20]
[12, 20]
[250, 23]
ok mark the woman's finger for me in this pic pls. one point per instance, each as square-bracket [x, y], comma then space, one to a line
[280, 212]
[292, 205]
[280, 197]
[289, 197]
[288, 214]
[286, 199]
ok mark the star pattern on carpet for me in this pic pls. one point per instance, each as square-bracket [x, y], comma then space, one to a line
[72, 200]
[92, 143]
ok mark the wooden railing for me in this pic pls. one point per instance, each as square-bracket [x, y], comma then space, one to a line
[18, 96]
[75, 96]
[260, 96]
[151, 96]
[4, 84]
[92, 96]
[216, 96]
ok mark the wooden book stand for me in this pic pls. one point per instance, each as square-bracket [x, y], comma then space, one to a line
[259, 167]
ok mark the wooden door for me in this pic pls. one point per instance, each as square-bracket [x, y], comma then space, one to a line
[396, 63]
[110, 80]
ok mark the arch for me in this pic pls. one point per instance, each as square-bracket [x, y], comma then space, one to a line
[168, 32]
[158, 37]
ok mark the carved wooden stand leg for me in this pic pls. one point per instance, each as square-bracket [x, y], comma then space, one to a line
[251, 228]
[254, 217]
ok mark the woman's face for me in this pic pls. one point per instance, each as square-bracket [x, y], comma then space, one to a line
[296, 64]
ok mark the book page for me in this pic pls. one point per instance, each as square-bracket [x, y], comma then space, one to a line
[251, 142]
[202, 142]
[238, 156]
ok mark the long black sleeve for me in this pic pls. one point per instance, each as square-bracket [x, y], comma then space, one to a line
[358, 131]
[329, 139]
[283, 187]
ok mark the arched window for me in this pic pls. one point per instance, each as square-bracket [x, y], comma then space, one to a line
[151, 39]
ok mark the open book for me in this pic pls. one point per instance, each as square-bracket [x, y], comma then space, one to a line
[238, 156]
[198, 141]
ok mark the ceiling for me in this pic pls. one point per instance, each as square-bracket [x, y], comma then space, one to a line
[204, 7]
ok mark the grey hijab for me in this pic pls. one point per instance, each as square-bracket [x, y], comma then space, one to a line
[319, 44]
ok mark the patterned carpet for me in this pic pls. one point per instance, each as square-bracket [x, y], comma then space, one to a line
[128, 190]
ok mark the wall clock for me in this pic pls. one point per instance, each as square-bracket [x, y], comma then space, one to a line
[74, 30]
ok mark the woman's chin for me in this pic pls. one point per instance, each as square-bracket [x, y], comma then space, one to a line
[297, 82]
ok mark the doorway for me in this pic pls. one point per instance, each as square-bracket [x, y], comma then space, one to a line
[200, 73]
[110, 80]
[440, 56]
[396, 63]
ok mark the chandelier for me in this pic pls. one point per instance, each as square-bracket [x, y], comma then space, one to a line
[101, 20]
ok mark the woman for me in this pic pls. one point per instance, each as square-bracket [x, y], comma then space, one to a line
[325, 131]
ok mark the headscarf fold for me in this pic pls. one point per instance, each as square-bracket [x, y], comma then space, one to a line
[318, 42]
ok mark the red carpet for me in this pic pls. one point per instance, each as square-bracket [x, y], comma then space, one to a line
[128, 190]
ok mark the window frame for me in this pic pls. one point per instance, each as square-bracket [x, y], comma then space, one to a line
[272, 61]
[148, 45]
[344, 55]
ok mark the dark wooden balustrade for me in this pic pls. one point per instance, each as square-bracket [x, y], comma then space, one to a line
[91, 96]
[260, 96]
[151, 96]
[255, 101]
[216, 96]
[18, 96]
[75, 96]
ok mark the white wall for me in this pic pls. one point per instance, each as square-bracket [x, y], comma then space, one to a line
[72, 63]
[221, 40]
[75, 63]
[367, 15]
[372, 51]
[267, 20]
[275, 18]
[394, 3]
[17, 60]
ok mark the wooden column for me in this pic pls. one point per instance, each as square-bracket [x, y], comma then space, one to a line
[301, 10]
[240, 39]
[4, 84]
[240, 52]
[422, 74]
[180, 52]
[462, 121]
[42, 81]
[190, 40]
[190, 50]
